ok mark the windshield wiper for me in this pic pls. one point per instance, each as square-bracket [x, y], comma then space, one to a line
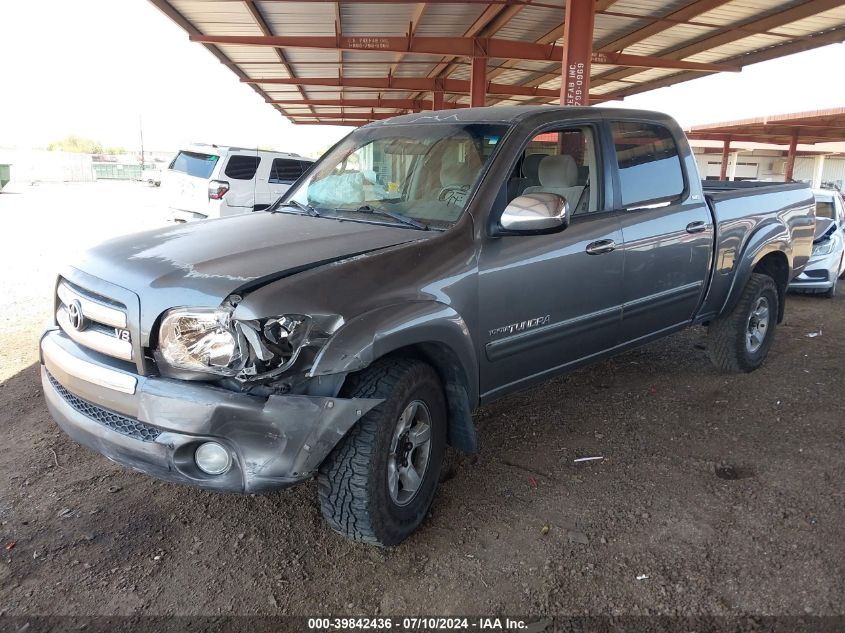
[404, 219]
[296, 204]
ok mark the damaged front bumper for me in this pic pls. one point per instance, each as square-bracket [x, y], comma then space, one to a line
[154, 425]
[820, 273]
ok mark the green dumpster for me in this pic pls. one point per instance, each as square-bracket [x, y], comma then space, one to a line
[115, 171]
[4, 175]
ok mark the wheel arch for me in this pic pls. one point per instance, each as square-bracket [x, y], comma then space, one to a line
[426, 330]
[767, 252]
[776, 265]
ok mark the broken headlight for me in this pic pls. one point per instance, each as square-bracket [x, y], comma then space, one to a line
[200, 340]
[825, 247]
[211, 341]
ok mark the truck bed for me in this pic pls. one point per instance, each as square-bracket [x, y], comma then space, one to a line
[713, 188]
[749, 216]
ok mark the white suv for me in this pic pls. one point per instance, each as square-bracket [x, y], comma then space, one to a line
[208, 181]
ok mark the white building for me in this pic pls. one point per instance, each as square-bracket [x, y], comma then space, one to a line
[815, 164]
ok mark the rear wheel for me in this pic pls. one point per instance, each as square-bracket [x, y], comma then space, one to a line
[740, 341]
[378, 483]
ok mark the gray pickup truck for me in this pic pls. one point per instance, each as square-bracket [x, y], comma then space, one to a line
[426, 265]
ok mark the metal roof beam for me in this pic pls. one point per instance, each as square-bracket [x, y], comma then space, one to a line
[490, 22]
[265, 28]
[755, 138]
[475, 47]
[419, 12]
[669, 22]
[530, 3]
[549, 37]
[397, 104]
[695, 8]
[658, 26]
[831, 135]
[413, 84]
[731, 34]
[833, 36]
[371, 116]
[734, 32]
[188, 27]
[346, 122]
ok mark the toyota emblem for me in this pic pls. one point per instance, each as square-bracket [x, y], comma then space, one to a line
[75, 316]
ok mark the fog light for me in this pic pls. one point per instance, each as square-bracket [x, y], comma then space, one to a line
[212, 458]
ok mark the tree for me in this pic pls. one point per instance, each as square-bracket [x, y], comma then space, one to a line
[77, 144]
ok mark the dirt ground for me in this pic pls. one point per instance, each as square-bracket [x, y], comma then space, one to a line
[716, 494]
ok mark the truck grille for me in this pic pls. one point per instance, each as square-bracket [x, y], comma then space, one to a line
[115, 421]
[93, 321]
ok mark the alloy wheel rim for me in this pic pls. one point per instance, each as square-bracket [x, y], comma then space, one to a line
[410, 452]
[758, 325]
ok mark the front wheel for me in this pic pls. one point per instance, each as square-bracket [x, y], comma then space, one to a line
[378, 484]
[740, 341]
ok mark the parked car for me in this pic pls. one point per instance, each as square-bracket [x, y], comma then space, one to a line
[349, 332]
[151, 176]
[208, 181]
[827, 263]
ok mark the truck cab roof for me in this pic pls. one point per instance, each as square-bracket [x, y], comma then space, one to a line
[518, 114]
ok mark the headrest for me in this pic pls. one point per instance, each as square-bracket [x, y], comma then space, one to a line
[453, 172]
[531, 166]
[558, 171]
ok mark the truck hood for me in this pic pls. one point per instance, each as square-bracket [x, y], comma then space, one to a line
[201, 263]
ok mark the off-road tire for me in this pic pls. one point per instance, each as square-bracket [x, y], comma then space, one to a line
[726, 345]
[353, 487]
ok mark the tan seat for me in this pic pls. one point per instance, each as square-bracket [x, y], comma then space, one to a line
[456, 174]
[559, 174]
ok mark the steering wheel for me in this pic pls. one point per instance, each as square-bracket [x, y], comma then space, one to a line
[450, 192]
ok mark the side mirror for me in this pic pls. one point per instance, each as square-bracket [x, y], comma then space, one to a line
[536, 212]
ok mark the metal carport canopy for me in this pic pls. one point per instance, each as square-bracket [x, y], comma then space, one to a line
[818, 126]
[351, 61]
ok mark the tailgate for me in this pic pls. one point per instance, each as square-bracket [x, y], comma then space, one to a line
[185, 183]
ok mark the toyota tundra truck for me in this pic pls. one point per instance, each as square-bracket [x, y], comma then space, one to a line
[426, 265]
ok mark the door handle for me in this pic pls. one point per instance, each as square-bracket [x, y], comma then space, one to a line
[600, 246]
[696, 227]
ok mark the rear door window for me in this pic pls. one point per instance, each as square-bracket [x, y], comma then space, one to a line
[194, 164]
[285, 171]
[650, 168]
[242, 167]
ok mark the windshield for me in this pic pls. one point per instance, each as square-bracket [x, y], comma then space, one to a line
[194, 164]
[422, 172]
[824, 208]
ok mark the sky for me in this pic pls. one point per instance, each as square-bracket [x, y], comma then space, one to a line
[96, 68]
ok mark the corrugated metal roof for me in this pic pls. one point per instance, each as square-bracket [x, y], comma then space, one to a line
[818, 126]
[734, 32]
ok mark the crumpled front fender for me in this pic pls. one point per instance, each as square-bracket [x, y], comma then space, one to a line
[377, 333]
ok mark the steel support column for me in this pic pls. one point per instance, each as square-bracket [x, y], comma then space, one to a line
[478, 82]
[733, 166]
[818, 171]
[437, 98]
[577, 52]
[790, 157]
[726, 150]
